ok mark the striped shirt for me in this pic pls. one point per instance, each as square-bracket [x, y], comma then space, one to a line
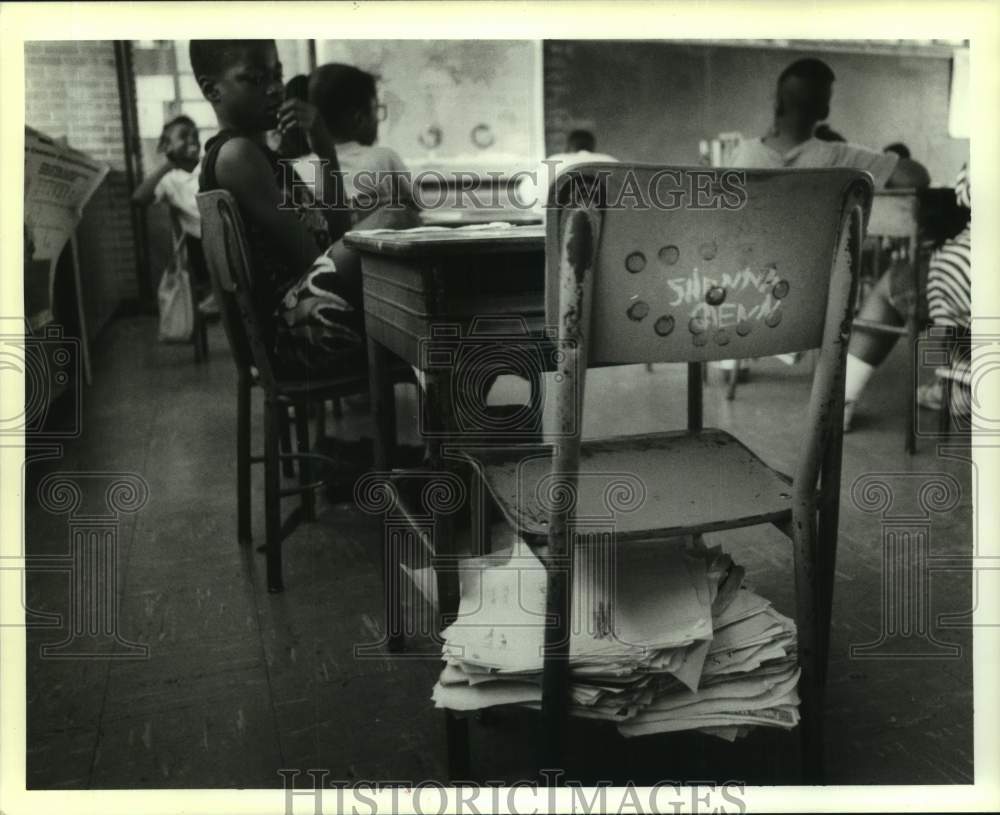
[949, 276]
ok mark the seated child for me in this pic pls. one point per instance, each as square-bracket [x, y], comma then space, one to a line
[176, 182]
[948, 299]
[308, 300]
[347, 99]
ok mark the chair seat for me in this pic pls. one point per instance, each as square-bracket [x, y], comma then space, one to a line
[658, 484]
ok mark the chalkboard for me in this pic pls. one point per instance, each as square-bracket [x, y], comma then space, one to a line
[654, 101]
[453, 104]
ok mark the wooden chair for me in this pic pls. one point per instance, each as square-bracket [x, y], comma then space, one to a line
[801, 230]
[229, 266]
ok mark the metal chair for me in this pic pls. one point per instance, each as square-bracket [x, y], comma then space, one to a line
[229, 266]
[800, 233]
[895, 218]
[956, 380]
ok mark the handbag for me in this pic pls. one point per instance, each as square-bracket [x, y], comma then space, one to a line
[175, 298]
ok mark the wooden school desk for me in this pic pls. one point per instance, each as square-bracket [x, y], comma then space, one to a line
[422, 285]
[464, 217]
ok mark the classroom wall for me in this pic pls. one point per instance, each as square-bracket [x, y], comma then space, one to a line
[71, 92]
[652, 101]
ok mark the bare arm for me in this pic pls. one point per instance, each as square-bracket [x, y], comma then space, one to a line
[909, 174]
[330, 182]
[146, 191]
[243, 170]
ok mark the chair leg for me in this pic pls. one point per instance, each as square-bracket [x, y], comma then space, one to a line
[383, 447]
[555, 666]
[272, 492]
[944, 413]
[320, 419]
[695, 395]
[243, 523]
[392, 591]
[809, 648]
[456, 730]
[911, 412]
[287, 466]
[734, 377]
[479, 516]
[305, 465]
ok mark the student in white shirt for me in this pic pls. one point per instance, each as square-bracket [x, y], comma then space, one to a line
[176, 183]
[533, 190]
[176, 180]
[347, 99]
[802, 101]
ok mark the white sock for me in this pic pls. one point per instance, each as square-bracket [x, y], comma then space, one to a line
[856, 377]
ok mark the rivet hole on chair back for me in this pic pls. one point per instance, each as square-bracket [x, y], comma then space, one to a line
[697, 264]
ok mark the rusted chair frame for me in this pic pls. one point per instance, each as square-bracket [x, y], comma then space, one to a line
[573, 238]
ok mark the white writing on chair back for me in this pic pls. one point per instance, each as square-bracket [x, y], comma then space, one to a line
[696, 264]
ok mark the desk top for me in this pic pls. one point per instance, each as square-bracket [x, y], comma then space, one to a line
[437, 241]
[464, 217]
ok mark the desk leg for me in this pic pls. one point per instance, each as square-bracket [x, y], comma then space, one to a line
[383, 405]
[383, 448]
[438, 417]
[911, 412]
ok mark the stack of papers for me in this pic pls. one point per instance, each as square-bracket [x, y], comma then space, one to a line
[664, 638]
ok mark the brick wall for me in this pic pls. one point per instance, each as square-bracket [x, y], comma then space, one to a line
[72, 92]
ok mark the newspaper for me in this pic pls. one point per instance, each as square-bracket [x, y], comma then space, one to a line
[58, 182]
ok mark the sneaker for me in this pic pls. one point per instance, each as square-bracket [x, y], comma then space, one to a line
[848, 415]
[929, 396]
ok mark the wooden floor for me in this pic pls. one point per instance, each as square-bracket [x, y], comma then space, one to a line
[239, 683]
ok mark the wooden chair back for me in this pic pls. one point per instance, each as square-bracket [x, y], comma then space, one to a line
[228, 260]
